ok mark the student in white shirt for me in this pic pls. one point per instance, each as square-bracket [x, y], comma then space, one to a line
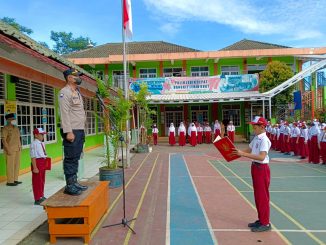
[182, 134]
[231, 131]
[172, 135]
[38, 156]
[260, 172]
[155, 134]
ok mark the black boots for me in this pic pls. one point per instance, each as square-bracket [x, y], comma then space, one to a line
[79, 186]
[71, 189]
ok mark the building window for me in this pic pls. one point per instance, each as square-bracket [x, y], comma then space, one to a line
[2, 86]
[199, 71]
[118, 79]
[232, 113]
[199, 113]
[229, 70]
[253, 69]
[90, 116]
[100, 123]
[147, 72]
[24, 123]
[172, 72]
[154, 116]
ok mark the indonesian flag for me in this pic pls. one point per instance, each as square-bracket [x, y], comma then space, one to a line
[127, 18]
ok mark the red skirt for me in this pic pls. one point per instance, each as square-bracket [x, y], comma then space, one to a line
[182, 139]
[200, 137]
[155, 138]
[303, 148]
[217, 132]
[287, 144]
[193, 139]
[231, 135]
[171, 138]
[314, 150]
[323, 152]
[207, 137]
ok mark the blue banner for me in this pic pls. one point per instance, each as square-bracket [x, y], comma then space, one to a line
[297, 100]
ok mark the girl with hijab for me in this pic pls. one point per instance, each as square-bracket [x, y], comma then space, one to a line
[193, 134]
[155, 134]
[172, 135]
[217, 129]
[207, 131]
[199, 134]
[231, 131]
[182, 134]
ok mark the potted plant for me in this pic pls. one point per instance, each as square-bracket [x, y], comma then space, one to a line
[144, 117]
[115, 116]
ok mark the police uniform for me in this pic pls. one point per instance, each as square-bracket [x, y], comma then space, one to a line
[11, 139]
[73, 120]
[260, 173]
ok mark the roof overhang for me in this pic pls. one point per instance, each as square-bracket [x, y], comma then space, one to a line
[207, 98]
[201, 55]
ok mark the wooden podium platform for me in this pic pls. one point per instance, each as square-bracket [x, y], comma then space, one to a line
[77, 216]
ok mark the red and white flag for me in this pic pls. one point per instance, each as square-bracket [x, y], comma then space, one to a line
[127, 18]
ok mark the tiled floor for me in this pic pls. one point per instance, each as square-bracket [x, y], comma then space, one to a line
[18, 214]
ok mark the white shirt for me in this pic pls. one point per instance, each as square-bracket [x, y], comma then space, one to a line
[181, 129]
[207, 129]
[155, 130]
[217, 126]
[172, 129]
[260, 143]
[230, 128]
[295, 132]
[36, 150]
[193, 129]
[322, 137]
[304, 134]
[200, 129]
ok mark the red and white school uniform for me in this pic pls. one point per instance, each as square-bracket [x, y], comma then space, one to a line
[193, 134]
[182, 135]
[281, 138]
[231, 131]
[322, 143]
[314, 153]
[260, 173]
[303, 143]
[37, 151]
[155, 135]
[172, 135]
[217, 129]
[200, 134]
[286, 139]
[207, 131]
[273, 137]
[295, 135]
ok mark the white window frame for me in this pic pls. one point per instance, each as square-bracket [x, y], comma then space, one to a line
[147, 74]
[100, 123]
[230, 70]
[118, 79]
[89, 108]
[3, 88]
[199, 73]
[236, 122]
[2, 121]
[173, 73]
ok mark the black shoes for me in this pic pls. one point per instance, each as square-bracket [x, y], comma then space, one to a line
[71, 188]
[261, 228]
[18, 182]
[12, 184]
[79, 186]
[254, 224]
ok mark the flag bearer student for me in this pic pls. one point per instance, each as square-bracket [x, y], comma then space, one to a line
[322, 144]
[182, 134]
[193, 135]
[303, 141]
[10, 136]
[38, 156]
[295, 135]
[72, 130]
[172, 135]
[231, 131]
[314, 154]
[155, 134]
[200, 134]
[260, 172]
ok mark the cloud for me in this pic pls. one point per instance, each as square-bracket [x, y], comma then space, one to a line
[293, 19]
[170, 28]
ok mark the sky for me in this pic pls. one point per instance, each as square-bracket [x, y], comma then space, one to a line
[199, 24]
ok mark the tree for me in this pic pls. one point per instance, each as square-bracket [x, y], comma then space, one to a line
[65, 42]
[276, 73]
[13, 23]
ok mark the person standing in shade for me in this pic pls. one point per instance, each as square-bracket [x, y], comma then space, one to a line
[172, 135]
[231, 131]
[260, 172]
[217, 129]
[155, 134]
[193, 134]
[182, 134]
[10, 136]
[38, 156]
[72, 130]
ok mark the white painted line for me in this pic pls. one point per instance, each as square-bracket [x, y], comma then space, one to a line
[167, 235]
[292, 191]
[201, 204]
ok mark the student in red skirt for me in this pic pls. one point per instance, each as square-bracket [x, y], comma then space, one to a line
[286, 139]
[155, 134]
[295, 135]
[182, 134]
[314, 154]
[207, 131]
[217, 129]
[193, 134]
[172, 135]
[231, 131]
[200, 134]
[322, 144]
[38, 156]
[303, 141]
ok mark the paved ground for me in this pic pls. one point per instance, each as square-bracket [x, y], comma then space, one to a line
[190, 195]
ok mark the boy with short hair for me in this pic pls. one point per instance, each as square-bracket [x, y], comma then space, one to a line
[38, 156]
[260, 172]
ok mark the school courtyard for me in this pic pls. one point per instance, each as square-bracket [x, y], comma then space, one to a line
[184, 195]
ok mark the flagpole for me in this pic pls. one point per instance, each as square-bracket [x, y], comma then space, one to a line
[125, 86]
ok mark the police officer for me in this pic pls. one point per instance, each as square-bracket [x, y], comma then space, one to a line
[72, 129]
[12, 146]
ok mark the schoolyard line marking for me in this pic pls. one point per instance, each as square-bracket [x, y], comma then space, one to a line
[313, 237]
[200, 203]
[167, 236]
[140, 203]
[250, 204]
[290, 191]
[318, 170]
[249, 230]
[116, 199]
[248, 177]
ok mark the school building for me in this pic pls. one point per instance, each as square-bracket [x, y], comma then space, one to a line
[186, 84]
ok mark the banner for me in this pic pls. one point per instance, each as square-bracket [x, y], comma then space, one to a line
[297, 100]
[196, 85]
[10, 107]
